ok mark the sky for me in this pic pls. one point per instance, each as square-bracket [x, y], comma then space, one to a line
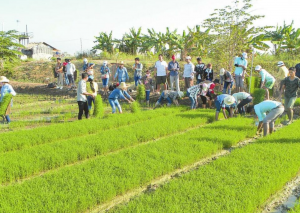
[62, 23]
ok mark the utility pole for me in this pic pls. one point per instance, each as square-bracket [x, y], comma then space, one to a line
[81, 46]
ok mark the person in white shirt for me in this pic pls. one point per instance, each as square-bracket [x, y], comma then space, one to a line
[267, 80]
[242, 99]
[161, 72]
[70, 73]
[188, 73]
[266, 122]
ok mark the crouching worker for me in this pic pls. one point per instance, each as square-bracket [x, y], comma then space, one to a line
[119, 93]
[266, 122]
[226, 102]
[242, 99]
[192, 93]
[169, 96]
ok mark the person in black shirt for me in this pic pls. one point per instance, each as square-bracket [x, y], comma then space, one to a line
[199, 69]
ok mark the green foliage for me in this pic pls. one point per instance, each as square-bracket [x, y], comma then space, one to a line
[297, 102]
[255, 83]
[105, 42]
[259, 96]
[98, 107]
[135, 107]
[141, 94]
[4, 104]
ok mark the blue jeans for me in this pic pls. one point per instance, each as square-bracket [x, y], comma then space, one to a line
[199, 81]
[115, 103]
[218, 107]
[89, 102]
[7, 118]
[105, 82]
[66, 79]
[193, 100]
[137, 80]
[147, 95]
[226, 85]
[161, 98]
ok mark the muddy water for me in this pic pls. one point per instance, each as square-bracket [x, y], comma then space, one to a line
[289, 203]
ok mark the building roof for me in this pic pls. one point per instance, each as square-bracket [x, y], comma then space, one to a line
[33, 44]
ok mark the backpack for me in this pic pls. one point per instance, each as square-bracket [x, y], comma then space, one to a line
[52, 85]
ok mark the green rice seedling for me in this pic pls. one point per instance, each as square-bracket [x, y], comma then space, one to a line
[259, 96]
[141, 94]
[4, 103]
[297, 102]
[98, 107]
[135, 107]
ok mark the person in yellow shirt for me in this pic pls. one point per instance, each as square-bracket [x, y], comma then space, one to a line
[282, 73]
[92, 88]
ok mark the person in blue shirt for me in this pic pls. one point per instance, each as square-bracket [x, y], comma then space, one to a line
[119, 93]
[121, 73]
[85, 64]
[240, 64]
[226, 102]
[6, 89]
[173, 67]
[105, 71]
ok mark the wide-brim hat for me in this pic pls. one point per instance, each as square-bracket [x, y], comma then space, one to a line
[121, 63]
[3, 79]
[280, 63]
[229, 100]
[122, 85]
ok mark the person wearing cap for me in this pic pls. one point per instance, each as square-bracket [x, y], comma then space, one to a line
[283, 72]
[173, 68]
[290, 86]
[240, 64]
[60, 74]
[242, 99]
[148, 82]
[266, 122]
[119, 93]
[6, 89]
[82, 97]
[170, 96]
[161, 72]
[105, 74]
[85, 64]
[222, 72]
[208, 72]
[226, 102]
[199, 70]
[228, 82]
[267, 80]
[70, 68]
[193, 93]
[188, 73]
[121, 73]
[138, 68]
[91, 88]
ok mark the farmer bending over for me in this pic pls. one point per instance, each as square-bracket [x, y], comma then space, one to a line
[267, 80]
[242, 99]
[169, 96]
[224, 101]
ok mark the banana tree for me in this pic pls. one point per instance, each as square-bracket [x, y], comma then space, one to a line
[104, 42]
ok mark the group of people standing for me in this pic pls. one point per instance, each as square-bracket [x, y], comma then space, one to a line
[65, 73]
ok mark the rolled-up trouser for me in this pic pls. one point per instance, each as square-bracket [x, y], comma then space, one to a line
[174, 80]
[241, 105]
[60, 79]
[272, 116]
[115, 103]
[239, 81]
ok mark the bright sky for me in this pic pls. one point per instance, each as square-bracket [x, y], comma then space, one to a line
[62, 23]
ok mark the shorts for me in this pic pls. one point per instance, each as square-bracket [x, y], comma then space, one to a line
[204, 99]
[105, 82]
[270, 84]
[161, 79]
[289, 102]
[239, 81]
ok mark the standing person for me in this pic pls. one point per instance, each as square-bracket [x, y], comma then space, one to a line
[192, 93]
[81, 97]
[199, 69]
[222, 72]
[148, 82]
[6, 89]
[173, 68]
[70, 67]
[224, 101]
[90, 66]
[267, 80]
[240, 64]
[65, 72]
[121, 73]
[91, 88]
[188, 73]
[60, 74]
[119, 93]
[161, 72]
[105, 71]
[85, 64]
[283, 72]
[138, 68]
[242, 99]
[228, 82]
[209, 72]
[266, 122]
[290, 86]
[170, 96]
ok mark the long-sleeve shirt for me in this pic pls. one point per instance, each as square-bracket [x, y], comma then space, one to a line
[119, 94]
[80, 90]
[240, 96]
[105, 70]
[70, 68]
[122, 74]
[265, 106]
[194, 91]
[171, 94]
[148, 82]
[6, 89]
[265, 76]
[189, 70]
[173, 65]
[138, 70]
[282, 73]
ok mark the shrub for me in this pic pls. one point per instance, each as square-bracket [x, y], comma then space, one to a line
[259, 96]
[297, 102]
[98, 107]
[141, 94]
[255, 83]
[135, 107]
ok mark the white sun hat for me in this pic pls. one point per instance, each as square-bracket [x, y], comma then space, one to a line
[244, 54]
[3, 79]
[280, 63]
[188, 58]
[229, 100]
[104, 62]
[222, 71]
[258, 67]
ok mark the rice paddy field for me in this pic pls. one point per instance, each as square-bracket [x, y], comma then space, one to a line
[162, 160]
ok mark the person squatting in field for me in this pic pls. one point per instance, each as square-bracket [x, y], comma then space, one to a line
[170, 96]
[226, 102]
[6, 89]
[82, 97]
[148, 82]
[119, 93]
[242, 99]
